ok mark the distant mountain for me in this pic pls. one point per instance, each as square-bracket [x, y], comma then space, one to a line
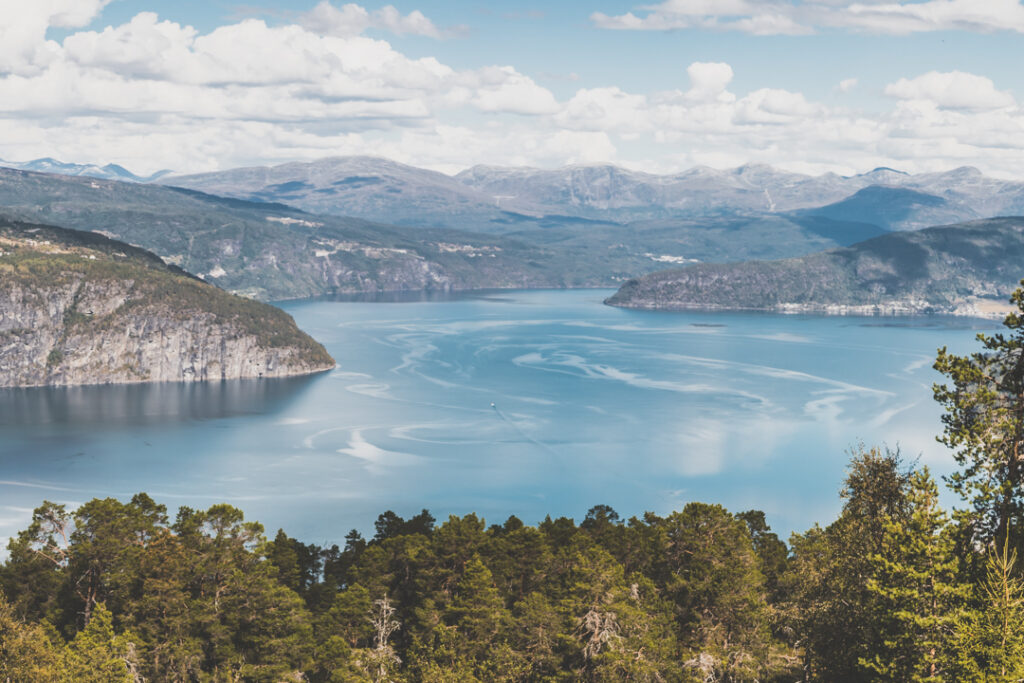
[79, 308]
[895, 208]
[271, 251]
[364, 187]
[506, 199]
[613, 193]
[963, 268]
[108, 172]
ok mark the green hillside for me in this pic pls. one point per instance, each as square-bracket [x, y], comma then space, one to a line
[942, 269]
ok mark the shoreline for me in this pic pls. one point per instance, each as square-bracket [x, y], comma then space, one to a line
[988, 309]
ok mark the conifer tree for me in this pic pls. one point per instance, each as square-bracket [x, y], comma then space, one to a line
[915, 591]
[989, 642]
[26, 654]
[984, 426]
[97, 655]
[835, 615]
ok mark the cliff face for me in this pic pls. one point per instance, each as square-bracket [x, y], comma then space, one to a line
[79, 309]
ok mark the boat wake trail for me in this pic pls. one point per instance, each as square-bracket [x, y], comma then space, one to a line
[519, 430]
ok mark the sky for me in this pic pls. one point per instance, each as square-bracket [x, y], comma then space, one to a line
[811, 86]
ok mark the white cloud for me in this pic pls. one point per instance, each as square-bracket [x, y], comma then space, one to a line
[352, 20]
[503, 89]
[708, 81]
[151, 93]
[603, 109]
[934, 15]
[847, 84]
[789, 17]
[23, 26]
[953, 90]
[751, 16]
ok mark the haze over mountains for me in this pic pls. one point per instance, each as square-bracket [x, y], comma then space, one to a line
[504, 199]
[106, 172]
[271, 251]
[364, 224]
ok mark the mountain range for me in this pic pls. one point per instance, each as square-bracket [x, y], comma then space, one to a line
[271, 251]
[106, 172]
[501, 199]
[252, 231]
[504, 199]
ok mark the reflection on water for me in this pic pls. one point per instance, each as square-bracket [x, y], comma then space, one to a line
[146, 403]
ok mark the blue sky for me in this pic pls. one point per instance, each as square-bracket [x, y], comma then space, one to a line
[813, 86]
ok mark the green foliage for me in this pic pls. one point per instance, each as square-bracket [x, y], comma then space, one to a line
[989, 639]
[208, 597]
[984, 426]
[26, 653]
[834, 612]
[97, 655]
[915, 585]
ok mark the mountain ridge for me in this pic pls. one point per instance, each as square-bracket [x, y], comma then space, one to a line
[958, 269]
[481, 197]
[105, 172]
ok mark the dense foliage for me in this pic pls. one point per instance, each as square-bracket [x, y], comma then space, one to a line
[118, 591]
[893, 590]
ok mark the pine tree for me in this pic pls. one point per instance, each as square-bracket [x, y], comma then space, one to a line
[97, 655]
[989, 642]
[916, 593]
[984, 426]
[834, 614]
[26, 655]
[719, 591]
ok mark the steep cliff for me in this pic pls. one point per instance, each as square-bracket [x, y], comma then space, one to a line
[79, 308]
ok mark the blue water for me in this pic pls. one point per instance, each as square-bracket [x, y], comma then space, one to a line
[591, 405]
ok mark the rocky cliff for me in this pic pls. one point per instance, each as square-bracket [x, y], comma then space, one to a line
[78, 308]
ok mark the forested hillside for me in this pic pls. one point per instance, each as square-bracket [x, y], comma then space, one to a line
[935, 270]
[894, 589]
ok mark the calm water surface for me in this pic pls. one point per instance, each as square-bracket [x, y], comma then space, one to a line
[523, 403]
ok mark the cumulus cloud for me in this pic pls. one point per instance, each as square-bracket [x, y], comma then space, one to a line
[709, 81]
[245, 84]
[790, 17]
[151, 93]
[503, 89]
[352, 20]
[23, 44]
[952, 90]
